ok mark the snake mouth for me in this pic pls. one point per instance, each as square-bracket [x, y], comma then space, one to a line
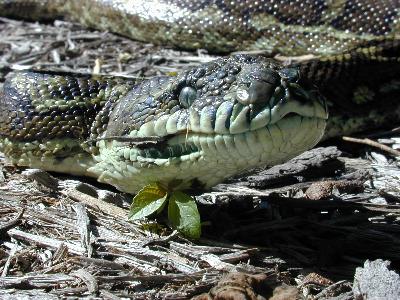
[194, 131]
[190, 145]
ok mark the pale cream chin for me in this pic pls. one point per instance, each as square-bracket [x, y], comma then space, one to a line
[220, 156]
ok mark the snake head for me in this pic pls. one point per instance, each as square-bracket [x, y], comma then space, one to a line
[215, 120]
[206, 124]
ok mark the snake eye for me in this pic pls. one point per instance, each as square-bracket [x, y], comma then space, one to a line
[187, 96]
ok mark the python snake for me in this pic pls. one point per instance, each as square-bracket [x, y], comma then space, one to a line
[214, 120]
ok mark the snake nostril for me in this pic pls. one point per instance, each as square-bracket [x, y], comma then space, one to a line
[260, 91]
[262, 84]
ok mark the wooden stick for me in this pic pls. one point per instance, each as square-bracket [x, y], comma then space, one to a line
[372, 143]
[45, 241]
[98, 204]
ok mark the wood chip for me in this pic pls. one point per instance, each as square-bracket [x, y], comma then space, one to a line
[88, 279]
[45, 241]
[83, 225]
[97, 204]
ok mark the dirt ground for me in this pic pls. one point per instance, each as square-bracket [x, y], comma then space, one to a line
[301, 230]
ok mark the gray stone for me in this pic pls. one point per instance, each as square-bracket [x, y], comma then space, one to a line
[375, 281]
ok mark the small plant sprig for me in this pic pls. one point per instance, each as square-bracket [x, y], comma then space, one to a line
[182, 209]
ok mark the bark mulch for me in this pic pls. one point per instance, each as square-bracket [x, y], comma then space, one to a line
[325, 225]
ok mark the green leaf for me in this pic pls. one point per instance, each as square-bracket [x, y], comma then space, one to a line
[150, 199]
[183, 214]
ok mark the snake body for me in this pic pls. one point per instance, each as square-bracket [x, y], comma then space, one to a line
[286, 27]
[215, 120]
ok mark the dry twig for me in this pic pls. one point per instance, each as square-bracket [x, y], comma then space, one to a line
[372, 143]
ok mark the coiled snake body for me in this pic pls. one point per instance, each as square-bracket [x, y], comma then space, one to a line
[215, 120]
